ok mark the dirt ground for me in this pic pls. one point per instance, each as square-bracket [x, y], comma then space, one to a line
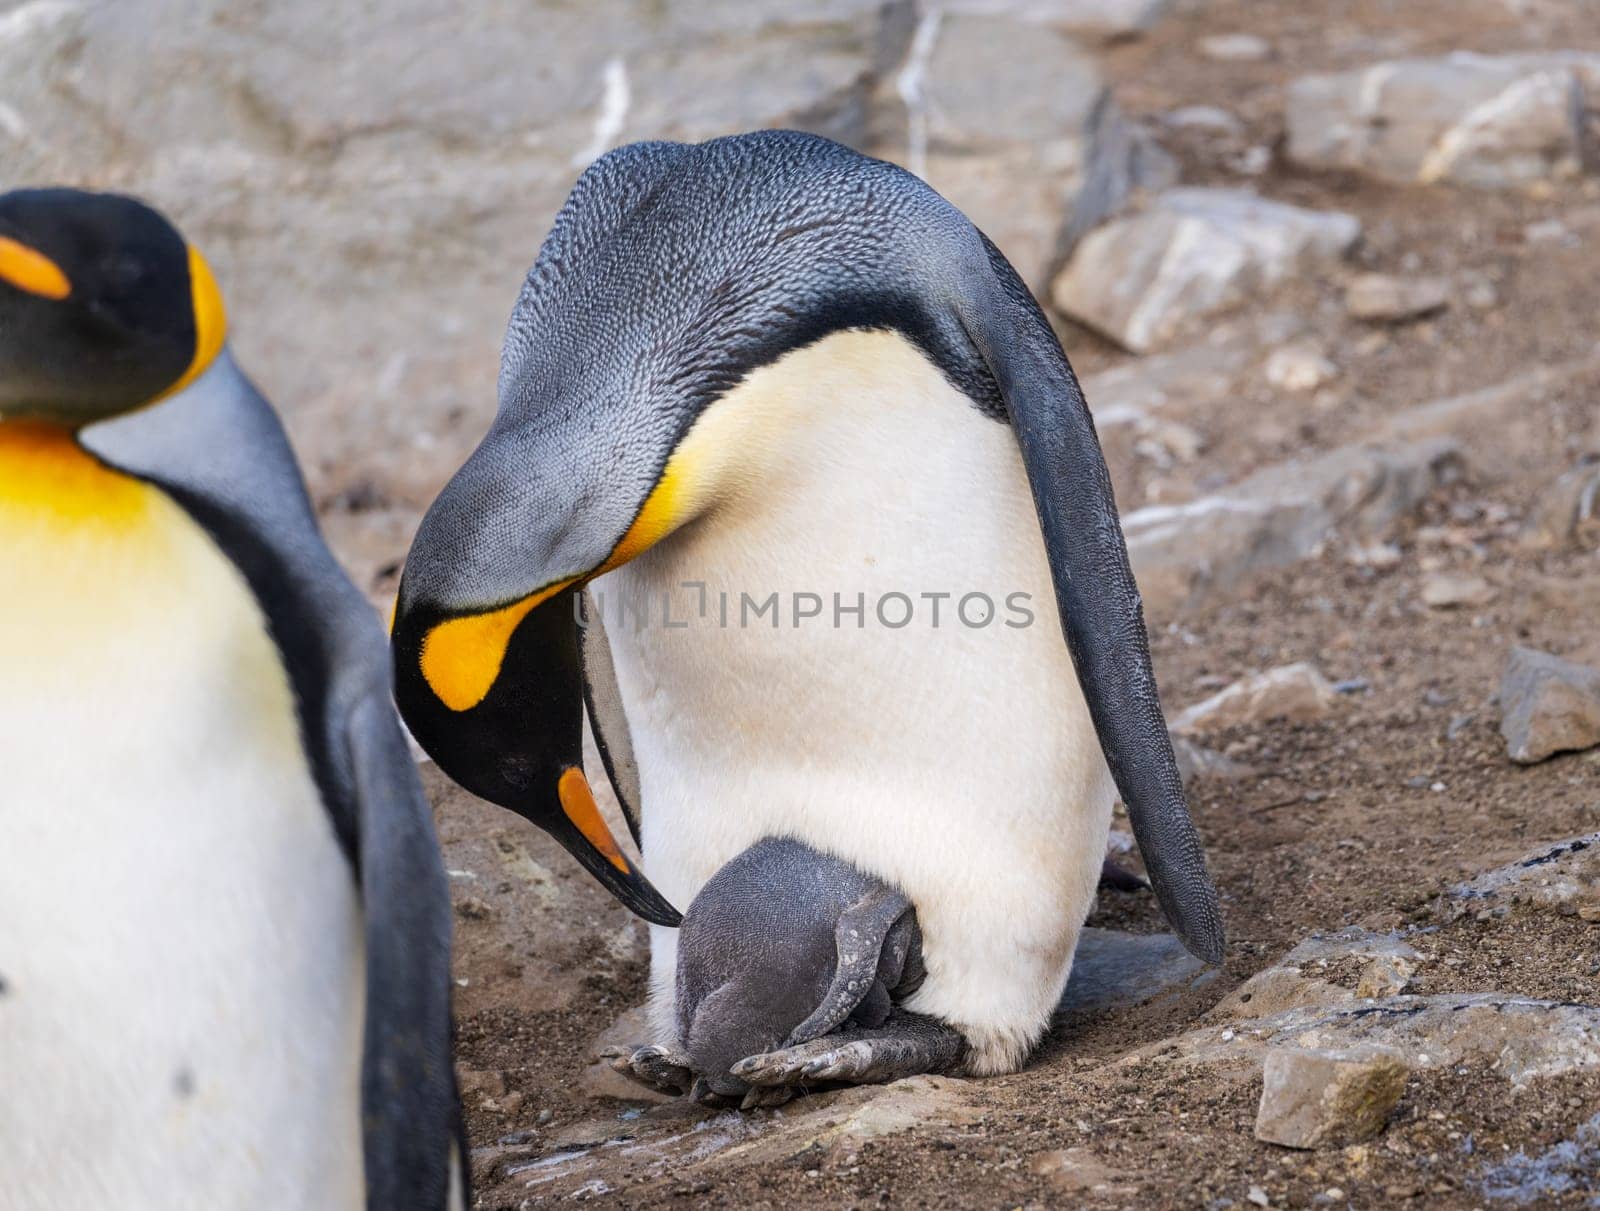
[1363, 817]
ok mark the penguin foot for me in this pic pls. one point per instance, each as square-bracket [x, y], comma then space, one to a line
[906, 1045]
[660, 1067]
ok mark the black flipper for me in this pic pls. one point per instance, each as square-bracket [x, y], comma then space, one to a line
[1101, 613]
[408, 1091]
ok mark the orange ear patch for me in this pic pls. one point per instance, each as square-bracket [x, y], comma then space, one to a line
[32, 271]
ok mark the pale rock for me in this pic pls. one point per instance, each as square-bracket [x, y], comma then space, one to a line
[1446, 591]
[1203, 117]
[1235, 48]
[1484, 121]
[1107, 20]
[1548, 231]
[1297, 692]
[871, 1113]
[1382, 298]
[1547, 705]
[1019, 129]
[276, 126]
[1385, 976]
[1281, 514]
[1567, 512]
[1276, 990]
[1295, 981]
[1079, 1171]
[1563, 878]
[1299, 368]
[1310, 1098]
[1522, 1038]
[1195, 252]
[1480, 294]
[1197, 761]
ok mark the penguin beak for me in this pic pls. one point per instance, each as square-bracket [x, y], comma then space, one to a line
[498, 703]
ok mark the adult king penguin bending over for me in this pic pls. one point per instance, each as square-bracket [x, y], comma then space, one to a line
[769, 364]
[224, 925]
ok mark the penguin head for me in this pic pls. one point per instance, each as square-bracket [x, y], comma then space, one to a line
[104, 307]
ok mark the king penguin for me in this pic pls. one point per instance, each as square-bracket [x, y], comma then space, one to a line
[224, 957]
[763, 394]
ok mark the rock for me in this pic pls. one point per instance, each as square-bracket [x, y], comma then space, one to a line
[1562, 878]
[1197, 251]
[1299, 368]
[1380, 298]
[1499, 426]
[1279, 515]
[1112, 970]
[1108, 20]
[1568, 1167]
[1012, 121]
[1385, 976]
[1297, 692]
[1314, 1097]
[1479, 293]
[1484, 121]
[1568, 512]
[1547, 705]
[1235, 48]
[277, 124]
[1079, 1171]
[480, 1085]
[1203, 117]
[1295, 981]
[1549, 231]
[1276, 990]
[1132, 402]
[1443, 591]
[900, 1106]
[1197, 761]
[1522, 1038]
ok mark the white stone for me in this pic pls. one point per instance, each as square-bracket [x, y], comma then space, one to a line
[1295, 691]
[1235, 48]
[1197, 251]
[1484, 121]
[1299, 368]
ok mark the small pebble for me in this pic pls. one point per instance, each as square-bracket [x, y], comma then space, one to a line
[1235, 48]
[1259, 1197]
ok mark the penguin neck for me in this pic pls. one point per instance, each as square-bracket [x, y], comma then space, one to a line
[849, 464]
[45, 475]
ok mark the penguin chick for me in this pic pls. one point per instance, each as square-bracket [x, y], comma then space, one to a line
[792, 966]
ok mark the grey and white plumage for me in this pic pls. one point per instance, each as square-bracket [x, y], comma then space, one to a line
[769, 362]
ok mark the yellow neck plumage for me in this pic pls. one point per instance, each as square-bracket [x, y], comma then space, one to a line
[47, 476]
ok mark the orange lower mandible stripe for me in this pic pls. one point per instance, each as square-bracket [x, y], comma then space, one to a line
[577, 800]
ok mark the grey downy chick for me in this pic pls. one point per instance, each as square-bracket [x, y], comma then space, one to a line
[792, 969]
